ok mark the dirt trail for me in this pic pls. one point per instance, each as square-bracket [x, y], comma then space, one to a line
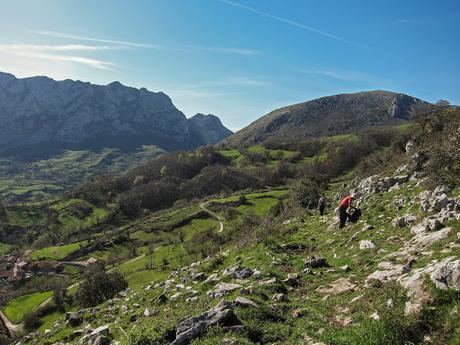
[9, 327]
[213, 214]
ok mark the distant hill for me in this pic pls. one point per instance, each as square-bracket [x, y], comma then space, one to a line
[39, 115]
[209, 128]
[330, 115]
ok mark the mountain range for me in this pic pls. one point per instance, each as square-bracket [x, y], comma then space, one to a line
[40, 115]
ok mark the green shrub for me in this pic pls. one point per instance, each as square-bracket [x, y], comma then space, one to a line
[99, 287]
[32, 321]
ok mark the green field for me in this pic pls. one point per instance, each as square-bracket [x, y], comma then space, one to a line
[20, 306]
[26, 181]
[56, 252]
[4, 248]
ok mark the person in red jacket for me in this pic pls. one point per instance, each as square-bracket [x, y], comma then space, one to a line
[345, 204]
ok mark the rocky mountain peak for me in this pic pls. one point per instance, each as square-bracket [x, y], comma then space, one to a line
[331, 115]
[39, 112]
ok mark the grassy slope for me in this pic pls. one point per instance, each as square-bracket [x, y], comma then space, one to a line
[20, 306]
[322, 314]
[43, 178]
[55, 253]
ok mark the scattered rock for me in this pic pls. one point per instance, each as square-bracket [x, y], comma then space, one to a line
[222, 314]
[222, 289]
[280, 297]
[245, 303]
[447, 275]
[200, 276]
[244, 273]
[317, 262]
[162, 299]
[73, 319]
[292, 279]
[366, 244]
[175, 296]
[299, 313]
[375, 316]
[345, 268]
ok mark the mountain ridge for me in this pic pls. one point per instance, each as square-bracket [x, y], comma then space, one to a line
[329, 115]
[67, 114]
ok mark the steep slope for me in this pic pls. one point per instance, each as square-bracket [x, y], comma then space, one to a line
[41, 115]
[330, 115]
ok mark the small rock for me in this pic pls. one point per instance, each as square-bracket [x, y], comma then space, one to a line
[280, 297]
[366, 244]
[245, 303]
[345, 268]
[375, 316]
[298, 313]
[316, 262]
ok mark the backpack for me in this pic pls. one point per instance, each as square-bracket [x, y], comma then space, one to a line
[354, 215]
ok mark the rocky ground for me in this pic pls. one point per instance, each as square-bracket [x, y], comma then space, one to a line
[308, 283]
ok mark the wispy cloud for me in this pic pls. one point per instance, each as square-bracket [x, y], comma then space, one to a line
[51, 53]
[292, 23]
[57, 47]
[95, 63]
[98, 40]
[353, 76]
[131, 44]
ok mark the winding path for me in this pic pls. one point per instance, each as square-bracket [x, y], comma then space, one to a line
[8, 326]
[213, 214]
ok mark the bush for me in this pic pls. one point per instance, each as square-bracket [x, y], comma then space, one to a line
[99, 287]
[308, 190]
[32, 321]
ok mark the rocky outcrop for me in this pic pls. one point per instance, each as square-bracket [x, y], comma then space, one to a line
[222, 314]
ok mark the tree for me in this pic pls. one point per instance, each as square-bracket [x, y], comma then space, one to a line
[59, 296]
[308, 190]
[98, 287]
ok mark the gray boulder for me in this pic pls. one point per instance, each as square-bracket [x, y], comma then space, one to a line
[316, 262]
[447, 275]
[222, 314]
[366, 244]
[222, 289]
[245, 303]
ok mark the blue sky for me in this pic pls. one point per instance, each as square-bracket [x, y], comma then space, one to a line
[239, 59]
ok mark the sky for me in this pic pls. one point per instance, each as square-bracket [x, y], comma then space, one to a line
[239, 59]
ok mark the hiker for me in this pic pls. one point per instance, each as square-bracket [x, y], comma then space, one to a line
[321, 204]
[345, 204]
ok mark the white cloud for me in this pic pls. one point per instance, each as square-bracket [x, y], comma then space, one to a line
[57, 47]
[50, 53]
[130, 44]
[99, 40]
[98, 64]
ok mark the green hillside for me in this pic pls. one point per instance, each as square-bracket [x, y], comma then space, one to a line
[32, 180]
[189, 229]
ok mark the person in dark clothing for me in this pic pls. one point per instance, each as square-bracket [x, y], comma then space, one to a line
[321, 205]
[345, 204]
